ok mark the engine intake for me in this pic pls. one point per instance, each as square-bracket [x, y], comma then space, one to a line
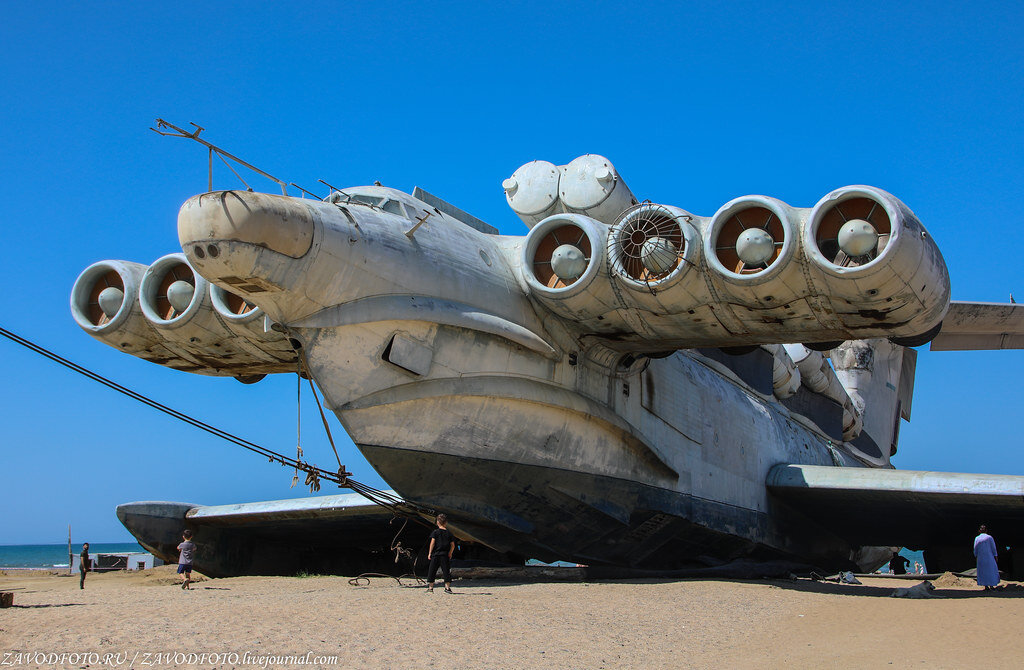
[105, 304]
[652, 246]
[249, 323]
[751, 239]
[564, 260]
[876, 262]
[172, 293]
[165, 314]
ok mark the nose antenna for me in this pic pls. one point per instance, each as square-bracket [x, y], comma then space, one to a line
[175, 131]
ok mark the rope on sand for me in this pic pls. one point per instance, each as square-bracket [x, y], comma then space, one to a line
[365, 577]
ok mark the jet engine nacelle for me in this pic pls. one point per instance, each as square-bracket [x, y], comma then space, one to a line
[177, 302]
[249, 323]
[857, 265]
[169, 315]
[183, 307]
[105, 304]
[876, 263]
[564, 260]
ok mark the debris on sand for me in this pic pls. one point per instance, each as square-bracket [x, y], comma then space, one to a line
[922, 590]
[950, 581]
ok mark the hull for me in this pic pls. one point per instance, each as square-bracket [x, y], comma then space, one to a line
[661, 468]
[594, 519]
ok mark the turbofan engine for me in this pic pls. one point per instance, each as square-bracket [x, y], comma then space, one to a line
[878, 265]
[564, 267]
[169, 315]
[858, 265]
[105, 304]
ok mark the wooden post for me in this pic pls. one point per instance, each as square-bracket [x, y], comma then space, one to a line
[6, 599]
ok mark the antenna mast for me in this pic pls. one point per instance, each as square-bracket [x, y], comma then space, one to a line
[223, 155]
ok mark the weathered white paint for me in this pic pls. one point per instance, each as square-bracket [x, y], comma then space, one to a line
[429, 336]
[205, 337]
[588, 185]
[979, 325]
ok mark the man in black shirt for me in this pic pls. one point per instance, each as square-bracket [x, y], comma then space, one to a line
[84, 564]
[898, 564]
[442, 546]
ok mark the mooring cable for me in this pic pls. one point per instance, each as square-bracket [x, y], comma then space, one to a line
[342, 478]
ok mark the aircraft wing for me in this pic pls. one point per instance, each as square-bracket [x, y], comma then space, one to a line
[338, 534]
[981, 325]
[907, 508]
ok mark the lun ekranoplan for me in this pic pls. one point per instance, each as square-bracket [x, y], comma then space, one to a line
[628, 384]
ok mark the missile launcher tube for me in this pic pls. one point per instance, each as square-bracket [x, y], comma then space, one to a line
[532, 191]
[588, 185]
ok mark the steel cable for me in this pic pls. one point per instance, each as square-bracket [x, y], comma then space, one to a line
[313, 474]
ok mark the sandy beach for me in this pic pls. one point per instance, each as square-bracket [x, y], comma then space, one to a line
[145, 620]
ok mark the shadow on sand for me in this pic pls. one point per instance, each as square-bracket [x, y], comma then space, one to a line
[27, 607]
[810, 586]
[1007, 590]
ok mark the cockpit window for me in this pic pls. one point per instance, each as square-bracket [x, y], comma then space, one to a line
[366, 200]
[414, 213]
[393, 207]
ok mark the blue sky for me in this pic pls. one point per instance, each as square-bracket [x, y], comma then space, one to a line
[694, 103]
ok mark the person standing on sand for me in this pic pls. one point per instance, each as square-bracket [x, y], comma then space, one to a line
[985, 551]
[898, 564]
[442, 546]
[83, 564]
[185, 558]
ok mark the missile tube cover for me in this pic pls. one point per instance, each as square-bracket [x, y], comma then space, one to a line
[590, 185]
[532, 191]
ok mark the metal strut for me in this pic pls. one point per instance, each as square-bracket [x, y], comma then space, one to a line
[223, 155]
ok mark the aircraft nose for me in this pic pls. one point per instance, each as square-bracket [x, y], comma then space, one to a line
[273, 222]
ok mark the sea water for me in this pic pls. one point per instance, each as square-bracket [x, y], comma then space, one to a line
[56, 555]
[911, 556]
